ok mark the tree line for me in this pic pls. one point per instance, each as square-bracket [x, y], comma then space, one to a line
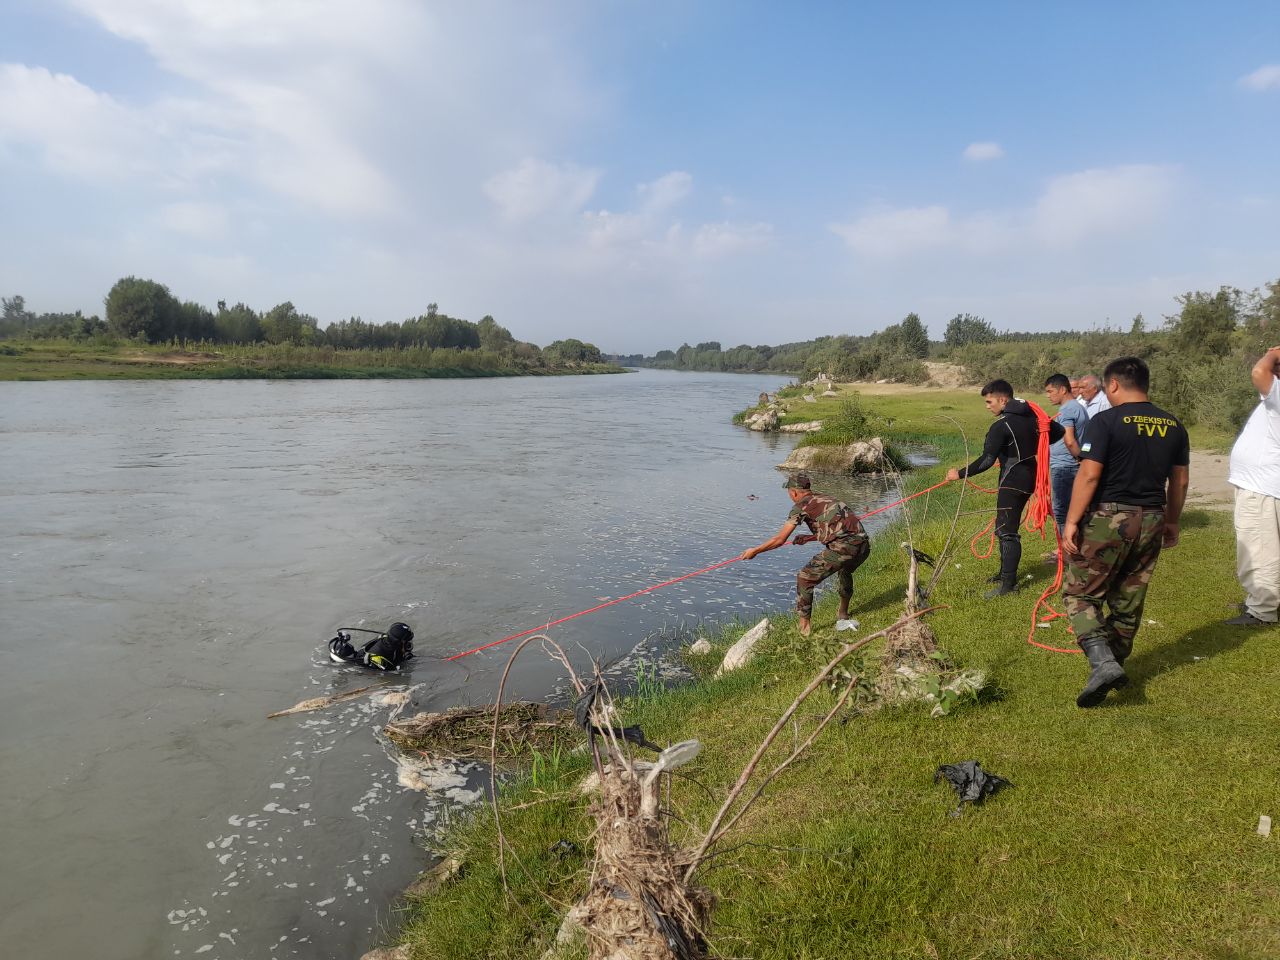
[1196, 354]
[146, 311]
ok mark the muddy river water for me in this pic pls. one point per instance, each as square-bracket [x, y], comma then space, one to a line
[174, 554]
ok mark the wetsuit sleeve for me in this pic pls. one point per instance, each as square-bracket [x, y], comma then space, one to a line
[1056, 431]
[990, 452]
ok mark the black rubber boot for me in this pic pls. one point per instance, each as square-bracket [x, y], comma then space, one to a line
[1105, 673]
[1120, 648]
[1007, 579]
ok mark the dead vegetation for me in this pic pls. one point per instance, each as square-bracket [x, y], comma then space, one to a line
[515, 731]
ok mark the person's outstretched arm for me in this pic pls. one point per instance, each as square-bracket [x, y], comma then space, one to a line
[774, 543]
[987, 459]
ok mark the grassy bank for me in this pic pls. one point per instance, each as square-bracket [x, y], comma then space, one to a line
[1130, 832]
[110, 360]
[938, 418]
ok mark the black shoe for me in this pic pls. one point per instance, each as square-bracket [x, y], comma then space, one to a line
[1247, 619]
[1105, 673]
[1004, 587]
[994, 578]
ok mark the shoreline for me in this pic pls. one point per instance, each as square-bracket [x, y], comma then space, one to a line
[33, 361]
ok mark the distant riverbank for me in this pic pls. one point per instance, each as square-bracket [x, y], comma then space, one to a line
[113, 360]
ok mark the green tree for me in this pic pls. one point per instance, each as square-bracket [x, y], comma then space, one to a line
[1206, 322]
[142, 309]
[572, 351]
[493, 336]
[914, 337]
[284, 324]
[964, 328]
[238, 324]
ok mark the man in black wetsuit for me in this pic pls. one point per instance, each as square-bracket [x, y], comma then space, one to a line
[1012, 440]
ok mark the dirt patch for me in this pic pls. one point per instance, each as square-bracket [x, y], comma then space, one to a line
[176, 358]
[942, 376]
[949, 376]
[1209, 488]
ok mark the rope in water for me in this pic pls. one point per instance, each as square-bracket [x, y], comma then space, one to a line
[657, 586]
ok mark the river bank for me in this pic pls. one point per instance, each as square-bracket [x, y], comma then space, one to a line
[77, 360]
[1107, 847]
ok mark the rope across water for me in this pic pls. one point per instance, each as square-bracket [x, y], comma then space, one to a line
[725, 563]
[657, 586]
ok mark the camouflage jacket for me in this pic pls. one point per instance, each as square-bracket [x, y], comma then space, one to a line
[827, 518]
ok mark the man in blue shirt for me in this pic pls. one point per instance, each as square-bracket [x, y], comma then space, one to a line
[1064, 456]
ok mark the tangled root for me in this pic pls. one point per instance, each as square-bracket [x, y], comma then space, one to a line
[910, 652]
[638, 907]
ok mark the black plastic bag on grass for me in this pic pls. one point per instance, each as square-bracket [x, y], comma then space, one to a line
[582, 714]
[971, 783]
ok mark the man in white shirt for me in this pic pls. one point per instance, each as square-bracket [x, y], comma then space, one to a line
[1255, 473]
[1092, 395]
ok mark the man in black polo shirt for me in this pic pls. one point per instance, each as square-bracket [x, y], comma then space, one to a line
[1125, 505]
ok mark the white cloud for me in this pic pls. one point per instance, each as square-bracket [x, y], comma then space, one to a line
[648, 222]
[81, 132]
[535, 188]
[1091, 204]
[1102, 202]
[194, 219]
[894, 233]
[984, 150]
[354, 109]
[726, 239]
[1264, 78]
[665, 192]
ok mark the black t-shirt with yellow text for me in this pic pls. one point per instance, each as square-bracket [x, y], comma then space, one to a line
[1138, 445]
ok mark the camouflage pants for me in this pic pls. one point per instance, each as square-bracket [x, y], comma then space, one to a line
[841, 557]
[1119, 546]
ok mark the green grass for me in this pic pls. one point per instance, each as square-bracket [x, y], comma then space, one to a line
[1130, 832]
[111, 360]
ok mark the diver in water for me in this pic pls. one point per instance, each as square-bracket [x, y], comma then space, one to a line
[386, 651]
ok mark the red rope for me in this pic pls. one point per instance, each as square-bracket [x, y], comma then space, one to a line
[658, 586]
[601, 606]
[1040, 509]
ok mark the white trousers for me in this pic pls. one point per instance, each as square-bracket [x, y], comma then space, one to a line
[1257, 520]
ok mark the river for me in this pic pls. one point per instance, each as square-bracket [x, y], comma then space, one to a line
[173, 556]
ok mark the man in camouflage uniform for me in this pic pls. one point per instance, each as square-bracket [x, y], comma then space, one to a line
[1125, 505]
[833, 524]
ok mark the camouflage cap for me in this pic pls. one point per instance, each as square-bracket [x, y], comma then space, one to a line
[797, 481]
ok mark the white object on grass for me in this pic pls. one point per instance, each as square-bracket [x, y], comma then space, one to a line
[1264, 826]
[849, 624]
[741, 652]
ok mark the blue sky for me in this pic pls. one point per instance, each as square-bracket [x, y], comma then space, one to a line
[641, 174]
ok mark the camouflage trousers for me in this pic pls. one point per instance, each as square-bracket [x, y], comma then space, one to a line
[840, 557]
[1119, 547]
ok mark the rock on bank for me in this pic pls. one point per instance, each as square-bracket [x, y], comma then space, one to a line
[861, 456]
